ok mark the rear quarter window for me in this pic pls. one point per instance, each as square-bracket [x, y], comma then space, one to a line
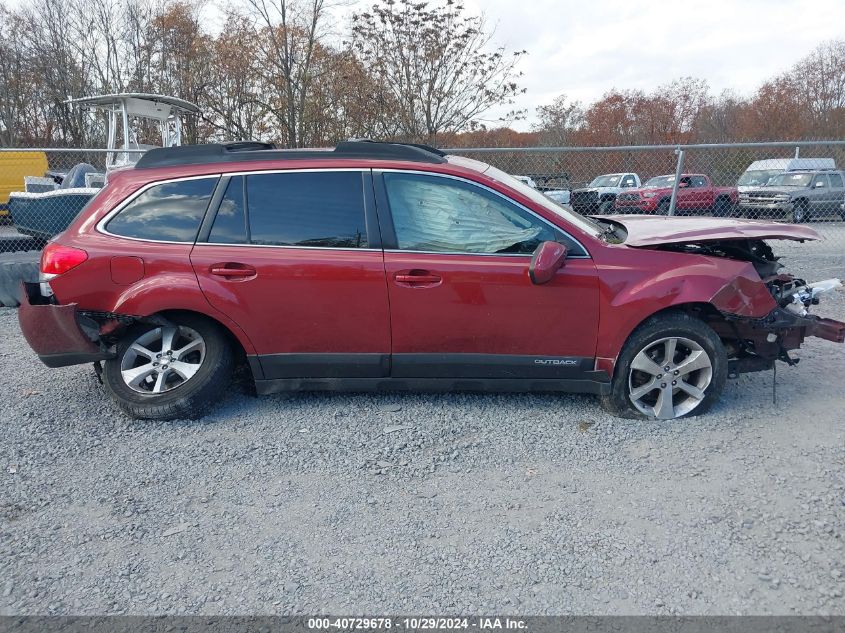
[168, 212]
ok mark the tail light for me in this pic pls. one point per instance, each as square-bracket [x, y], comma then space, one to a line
[57, 259]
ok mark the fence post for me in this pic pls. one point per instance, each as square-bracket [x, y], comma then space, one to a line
[679, 169]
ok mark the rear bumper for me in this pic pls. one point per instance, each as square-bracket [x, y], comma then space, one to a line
[57, 333]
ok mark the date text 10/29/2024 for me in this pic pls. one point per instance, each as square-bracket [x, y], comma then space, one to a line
[416, 623]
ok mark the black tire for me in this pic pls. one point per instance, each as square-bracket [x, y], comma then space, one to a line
[606, 207]
[192, 397]
[800, 212]
[663, 326]
[663, 207]
[723, 208]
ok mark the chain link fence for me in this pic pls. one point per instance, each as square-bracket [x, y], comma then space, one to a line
[791, 182]
[41, 190]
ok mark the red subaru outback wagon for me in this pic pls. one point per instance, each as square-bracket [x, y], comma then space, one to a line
[380, 266]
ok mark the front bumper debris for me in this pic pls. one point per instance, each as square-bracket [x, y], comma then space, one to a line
[58, 333]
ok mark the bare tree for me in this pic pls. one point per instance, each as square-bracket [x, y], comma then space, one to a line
[558, 120]
[233, 102]
[290, 35]
[434, 63]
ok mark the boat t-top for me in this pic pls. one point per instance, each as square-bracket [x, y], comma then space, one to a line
[46, 207]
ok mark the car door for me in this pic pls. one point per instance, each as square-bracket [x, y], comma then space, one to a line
[819, 194]
[686, 195]
[701, 196]
[837, 190]
[461, 301]
[294, 259]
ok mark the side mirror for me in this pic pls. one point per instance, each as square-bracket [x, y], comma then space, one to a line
[547, 259]
[820, 183]
[683, 185]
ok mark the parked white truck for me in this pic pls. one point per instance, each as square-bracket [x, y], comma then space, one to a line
[599, 197]
[758, 173]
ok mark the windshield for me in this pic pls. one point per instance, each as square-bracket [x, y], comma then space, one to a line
[582, 222]
[757, 178]
[660, 181]
[790, 180]
[610, 180]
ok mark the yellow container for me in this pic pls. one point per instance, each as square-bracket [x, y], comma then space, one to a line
[13, 167]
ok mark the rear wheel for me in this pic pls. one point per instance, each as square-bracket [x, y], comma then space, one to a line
[163, 372]
[671, 366]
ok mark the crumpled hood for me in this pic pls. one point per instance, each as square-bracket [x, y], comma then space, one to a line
[650, 230]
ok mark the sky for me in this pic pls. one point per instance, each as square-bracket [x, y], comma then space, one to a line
[583, 49]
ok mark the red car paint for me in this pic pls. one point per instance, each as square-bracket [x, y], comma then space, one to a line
[383, 302]
[690, 197]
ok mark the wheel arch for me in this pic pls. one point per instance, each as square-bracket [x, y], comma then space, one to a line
[241, 345]
[701, 310]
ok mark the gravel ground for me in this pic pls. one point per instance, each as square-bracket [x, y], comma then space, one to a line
[425, 503]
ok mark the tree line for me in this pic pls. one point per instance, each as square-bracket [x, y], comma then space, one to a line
[806, 102]
[408, 70]
[276, 71]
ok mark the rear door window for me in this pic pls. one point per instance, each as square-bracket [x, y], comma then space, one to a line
[836, 180]
[168, 212]
[323, 209]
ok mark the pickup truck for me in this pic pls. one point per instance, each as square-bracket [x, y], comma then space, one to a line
[600, 195]
[696, 196]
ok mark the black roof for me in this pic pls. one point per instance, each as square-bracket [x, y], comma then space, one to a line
[252, 150]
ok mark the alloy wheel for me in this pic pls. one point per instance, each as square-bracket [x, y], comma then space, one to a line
[162, 359]
[669, 377]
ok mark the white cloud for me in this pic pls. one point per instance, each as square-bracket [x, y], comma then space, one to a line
[584, 49]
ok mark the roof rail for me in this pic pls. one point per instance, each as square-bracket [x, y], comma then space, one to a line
[253, 150]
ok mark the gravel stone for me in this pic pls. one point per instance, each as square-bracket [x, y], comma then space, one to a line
[487, 503]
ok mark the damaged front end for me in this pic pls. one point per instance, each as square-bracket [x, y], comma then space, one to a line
[761, 319]
[755, 343]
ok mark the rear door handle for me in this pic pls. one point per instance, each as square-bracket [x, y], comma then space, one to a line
[417, 278]
[233, 270]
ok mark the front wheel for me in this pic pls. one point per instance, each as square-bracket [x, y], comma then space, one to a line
[800, 211]
[663, 207]
[671, 366]
[723, 208]
[164, 372]
[607, 207]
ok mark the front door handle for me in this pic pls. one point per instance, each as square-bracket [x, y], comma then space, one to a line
[417, 278]
[233, 270]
